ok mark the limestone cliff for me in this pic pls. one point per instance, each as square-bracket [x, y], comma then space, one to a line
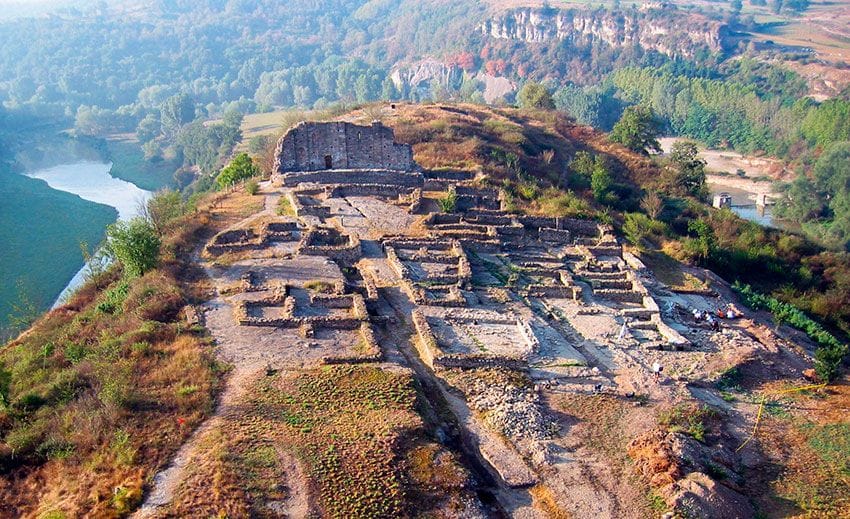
[670, 32]
[425, 73]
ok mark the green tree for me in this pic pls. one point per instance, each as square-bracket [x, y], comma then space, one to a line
[163, 208]
[388, 90]
[637, 227]
[705, 242]
[828, 361]
[535, 95]
[135, 244]
[176, 112]
[582, 163]
[689, 169]
[148, 128]
[601, 181]
[240, 168]
[258, 144]
[637, 130]
[232, 118]
[832, 177]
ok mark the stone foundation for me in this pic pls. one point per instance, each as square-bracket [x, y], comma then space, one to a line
[355, 176]
[331, 243]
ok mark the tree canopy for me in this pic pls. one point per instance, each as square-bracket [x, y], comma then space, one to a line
[637, 130]
[135, 244]
[535, 95]
[688, 169]
[240, 168]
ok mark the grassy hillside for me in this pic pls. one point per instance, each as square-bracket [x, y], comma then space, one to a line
[100, 393]
[41, 235]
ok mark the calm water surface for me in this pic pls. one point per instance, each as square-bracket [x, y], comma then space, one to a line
[92, 181]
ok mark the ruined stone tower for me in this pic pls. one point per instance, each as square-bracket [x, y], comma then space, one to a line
[312, 146]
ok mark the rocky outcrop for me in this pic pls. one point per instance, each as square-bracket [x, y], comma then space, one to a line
[425, 73]
[677, 467]
[671, 33]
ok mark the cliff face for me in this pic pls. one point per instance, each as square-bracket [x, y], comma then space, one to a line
[668, 32]
[425, 73]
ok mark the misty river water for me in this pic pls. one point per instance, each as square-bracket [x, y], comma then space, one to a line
[91, 181]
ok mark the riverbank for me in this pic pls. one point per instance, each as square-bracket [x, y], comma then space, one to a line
[128, 163]
[45, 220]
[743, 177]
[41, 232]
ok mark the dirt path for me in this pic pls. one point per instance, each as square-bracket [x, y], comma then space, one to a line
[166, 482]
[241, 352]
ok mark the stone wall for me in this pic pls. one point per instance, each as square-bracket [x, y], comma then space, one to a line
[581, 227]
[430, 352]
[311, 245]
[288, 319]
[449, 175]
[355, 176]
[382, 190]
[555, 235]
[236, 240]
[427, 343]
[315, 146]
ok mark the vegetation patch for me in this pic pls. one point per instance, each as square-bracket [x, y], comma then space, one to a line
[830, 352]
[354, 430]
[687, 418]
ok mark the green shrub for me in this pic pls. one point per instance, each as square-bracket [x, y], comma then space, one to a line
[55, 449]
[284, 207]
[638, 227]
[240, 168]
[527, 189]
[26, 436]
[164, 207]
[317, 285]
[564, 204]
[688, 419]
[5, 385]
[115, 379]
[75, 352]
[135, 245]
[830, 353]
[448, 203]
[252, 187]
[30, 402]
[124, 499]
[114, 298]
[187, 390]
[122, 447]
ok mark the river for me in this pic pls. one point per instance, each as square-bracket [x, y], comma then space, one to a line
[722, 177]
[91, 181]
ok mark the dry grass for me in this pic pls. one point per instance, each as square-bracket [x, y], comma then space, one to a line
[106, 388]
[808, 445]
[353, 429]
[98, 401]
[545, 501]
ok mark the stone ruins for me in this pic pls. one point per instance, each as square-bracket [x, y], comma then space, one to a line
[342, 146]
[364, 267]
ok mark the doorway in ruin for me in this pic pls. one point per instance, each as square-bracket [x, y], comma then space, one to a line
[329, 162]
